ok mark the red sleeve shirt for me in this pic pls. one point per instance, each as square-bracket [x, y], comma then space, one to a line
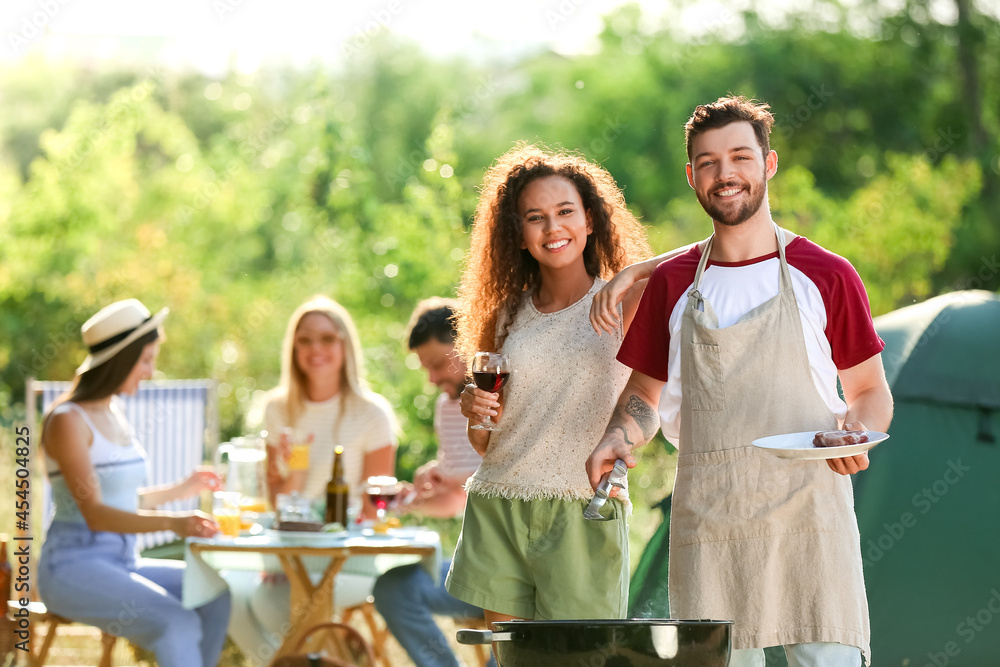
[828, 290]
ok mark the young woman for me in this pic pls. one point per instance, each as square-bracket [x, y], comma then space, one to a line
[550, 229]
[89, 570]
[322, 398]
[323, 394]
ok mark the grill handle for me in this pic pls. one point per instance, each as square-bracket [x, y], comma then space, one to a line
[472, 637]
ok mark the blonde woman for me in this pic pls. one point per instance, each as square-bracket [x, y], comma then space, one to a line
[323, 394]
[322, 397]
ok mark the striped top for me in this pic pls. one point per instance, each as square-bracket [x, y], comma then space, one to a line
[456, 457]
[120, 470]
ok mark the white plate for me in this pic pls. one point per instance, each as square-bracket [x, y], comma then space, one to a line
[304, 536]
[799, 446]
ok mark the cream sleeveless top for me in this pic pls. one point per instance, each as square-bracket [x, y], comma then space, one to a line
[563, 387]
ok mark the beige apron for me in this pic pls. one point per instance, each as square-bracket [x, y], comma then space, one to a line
[769, 543]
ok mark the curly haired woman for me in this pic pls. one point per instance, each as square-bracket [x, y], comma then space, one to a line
[550, 229]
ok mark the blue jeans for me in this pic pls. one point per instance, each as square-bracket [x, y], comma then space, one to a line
[407, 599]
[95, 578]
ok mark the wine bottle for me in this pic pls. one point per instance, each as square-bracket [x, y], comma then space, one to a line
[337, 492]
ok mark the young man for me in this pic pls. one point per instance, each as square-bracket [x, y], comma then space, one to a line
[406, 596]
[740, 337]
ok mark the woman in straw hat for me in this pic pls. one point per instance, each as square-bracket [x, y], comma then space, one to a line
[89, 570]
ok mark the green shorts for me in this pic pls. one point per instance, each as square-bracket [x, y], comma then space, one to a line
[541, 560]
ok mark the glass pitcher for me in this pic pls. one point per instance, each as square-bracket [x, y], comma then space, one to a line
[242, 464]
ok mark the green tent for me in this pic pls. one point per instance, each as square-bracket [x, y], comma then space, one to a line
[929, 505]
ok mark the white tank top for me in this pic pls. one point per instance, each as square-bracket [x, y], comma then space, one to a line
[120, 470]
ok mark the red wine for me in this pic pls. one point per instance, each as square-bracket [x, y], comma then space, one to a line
[381, 500]
[490, 381]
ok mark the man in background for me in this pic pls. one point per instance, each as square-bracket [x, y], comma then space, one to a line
[407, 596]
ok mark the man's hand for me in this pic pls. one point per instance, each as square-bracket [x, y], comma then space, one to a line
[633, 423]
[428, 477]
[850, 464]
[602, 460]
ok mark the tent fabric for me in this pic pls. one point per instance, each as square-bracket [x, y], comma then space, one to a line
[948, 362]
[647, 592]
[929, 506]
[928, 510]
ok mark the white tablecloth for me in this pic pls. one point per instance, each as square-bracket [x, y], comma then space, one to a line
[202, 582]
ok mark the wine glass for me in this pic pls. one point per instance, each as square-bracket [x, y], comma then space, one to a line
[490, 372]
[381, 490]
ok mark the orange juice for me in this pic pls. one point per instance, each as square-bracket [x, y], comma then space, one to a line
[228, 520]
[252, 505]
[249, 509]
[299, 459]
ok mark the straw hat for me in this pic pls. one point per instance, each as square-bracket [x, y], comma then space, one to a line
[115, 326]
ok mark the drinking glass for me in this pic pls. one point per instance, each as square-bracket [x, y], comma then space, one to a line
[490, 372]
[381, 490]
[300, 442]
[226, 512]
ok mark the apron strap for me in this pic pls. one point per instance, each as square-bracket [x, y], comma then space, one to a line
[785, 277]
[695, 300]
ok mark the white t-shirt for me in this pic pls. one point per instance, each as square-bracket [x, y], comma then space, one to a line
[365, 426]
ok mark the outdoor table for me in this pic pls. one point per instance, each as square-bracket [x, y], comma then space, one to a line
[310, 603]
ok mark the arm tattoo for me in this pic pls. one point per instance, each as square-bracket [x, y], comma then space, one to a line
[624, 435]
[643, 415]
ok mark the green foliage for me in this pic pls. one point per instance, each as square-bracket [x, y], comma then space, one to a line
[232, 201]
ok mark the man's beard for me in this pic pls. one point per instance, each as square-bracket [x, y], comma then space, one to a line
[740, 215]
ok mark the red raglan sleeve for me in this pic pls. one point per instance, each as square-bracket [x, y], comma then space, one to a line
[646, 346]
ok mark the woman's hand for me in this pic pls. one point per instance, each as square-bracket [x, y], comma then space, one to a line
[604, 313]
[477, 404]
[202, 479]
[196, 524]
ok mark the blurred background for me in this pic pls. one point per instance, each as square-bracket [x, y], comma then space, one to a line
[230, 158]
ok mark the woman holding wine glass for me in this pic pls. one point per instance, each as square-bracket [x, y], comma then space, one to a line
[550, 230]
